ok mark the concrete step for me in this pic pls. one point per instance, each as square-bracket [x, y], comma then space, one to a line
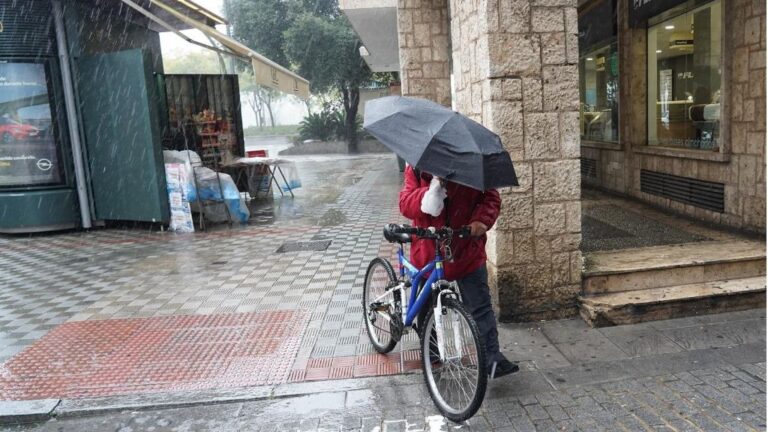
[628, 307]
[664, 266]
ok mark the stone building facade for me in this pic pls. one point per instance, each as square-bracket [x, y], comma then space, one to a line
[519, 67]
[424, 41]
[514, 70]
[738, 164]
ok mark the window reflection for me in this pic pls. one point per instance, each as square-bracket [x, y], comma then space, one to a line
[600, 94]
[684, 75]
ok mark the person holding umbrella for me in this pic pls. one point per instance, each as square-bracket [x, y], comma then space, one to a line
[461, 206]
[455, 166]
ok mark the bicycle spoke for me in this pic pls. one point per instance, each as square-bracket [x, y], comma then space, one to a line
[456, 384]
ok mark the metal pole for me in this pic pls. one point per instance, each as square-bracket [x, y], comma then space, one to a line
[228, 15]
[69, 102]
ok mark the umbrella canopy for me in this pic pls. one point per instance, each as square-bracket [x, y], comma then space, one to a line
[442, 142]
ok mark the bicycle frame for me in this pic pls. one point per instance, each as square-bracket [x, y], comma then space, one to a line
[416, 303]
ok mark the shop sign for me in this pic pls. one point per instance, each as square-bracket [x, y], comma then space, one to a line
[641, 10]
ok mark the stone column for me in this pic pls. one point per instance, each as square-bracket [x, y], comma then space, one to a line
[422, 27]
[515, 70]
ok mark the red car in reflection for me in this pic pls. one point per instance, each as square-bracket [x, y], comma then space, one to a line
[11, 130]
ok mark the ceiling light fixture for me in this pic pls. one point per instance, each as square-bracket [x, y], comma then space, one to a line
[669, 27]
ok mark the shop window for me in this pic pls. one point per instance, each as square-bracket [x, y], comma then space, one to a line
[29, 148]
[684, 79]
[599, 94]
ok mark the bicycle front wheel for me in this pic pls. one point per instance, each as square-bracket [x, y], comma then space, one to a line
[456, 379]
[379, 305]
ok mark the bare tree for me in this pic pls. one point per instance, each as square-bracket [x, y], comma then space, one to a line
[256, 106]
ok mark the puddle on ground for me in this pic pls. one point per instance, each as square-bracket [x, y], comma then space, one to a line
[332, 217]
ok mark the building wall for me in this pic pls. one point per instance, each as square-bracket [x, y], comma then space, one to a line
[94, 30]
[514, 67]
[424, 49]
[740, 162]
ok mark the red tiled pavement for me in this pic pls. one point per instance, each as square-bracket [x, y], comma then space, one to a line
[128, 356]
[358, 366]
[176, 353]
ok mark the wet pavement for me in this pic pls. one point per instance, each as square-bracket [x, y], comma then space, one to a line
[704, 373]
[56, 281]
[120, 318]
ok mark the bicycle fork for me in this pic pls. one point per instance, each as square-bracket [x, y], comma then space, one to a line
[452, 290]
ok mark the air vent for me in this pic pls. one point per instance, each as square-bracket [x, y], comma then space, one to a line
[588, 167]
[698, 193]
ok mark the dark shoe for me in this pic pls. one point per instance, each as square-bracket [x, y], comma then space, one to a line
[502, 367]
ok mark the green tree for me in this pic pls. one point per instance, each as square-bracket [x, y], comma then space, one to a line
[261, 24]
[311, 37]
[325, 50]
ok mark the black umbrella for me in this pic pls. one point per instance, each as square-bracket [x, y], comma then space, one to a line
[442, 142]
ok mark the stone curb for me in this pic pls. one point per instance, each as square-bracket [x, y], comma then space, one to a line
[18, 412]
[13, 412]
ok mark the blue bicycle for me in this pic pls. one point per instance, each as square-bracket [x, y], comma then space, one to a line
[452, 352]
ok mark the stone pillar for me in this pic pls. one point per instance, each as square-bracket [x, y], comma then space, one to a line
[633, 94]
[515, 70]
[422, 27]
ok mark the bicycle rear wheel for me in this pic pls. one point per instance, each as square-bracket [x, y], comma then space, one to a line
[378, 305]
[457, 383]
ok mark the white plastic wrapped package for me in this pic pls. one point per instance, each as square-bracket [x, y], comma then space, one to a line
[187, 159]
[181, 214]
[208, 183]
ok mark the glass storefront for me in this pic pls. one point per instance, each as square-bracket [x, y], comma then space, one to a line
[684, 78]
[29, 148]
[599, 94]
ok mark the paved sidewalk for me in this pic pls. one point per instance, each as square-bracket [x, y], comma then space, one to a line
[628, 378]
[251, 332]
[133, 286]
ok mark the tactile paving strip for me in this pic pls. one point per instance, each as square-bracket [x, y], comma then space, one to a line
[356, 366]
[143, 355]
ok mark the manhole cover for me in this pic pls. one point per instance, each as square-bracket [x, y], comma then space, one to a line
[303, 246]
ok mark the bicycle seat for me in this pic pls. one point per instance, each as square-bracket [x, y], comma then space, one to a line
[392, 236]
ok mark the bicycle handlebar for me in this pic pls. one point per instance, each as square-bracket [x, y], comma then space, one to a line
[431, 232]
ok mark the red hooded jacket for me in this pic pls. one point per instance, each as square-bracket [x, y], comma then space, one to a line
[465, 205]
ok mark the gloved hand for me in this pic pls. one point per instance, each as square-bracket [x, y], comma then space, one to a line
[432, 203]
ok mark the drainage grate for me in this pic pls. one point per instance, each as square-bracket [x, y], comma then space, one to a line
[588, 167]
[698, 193]
[317, 245]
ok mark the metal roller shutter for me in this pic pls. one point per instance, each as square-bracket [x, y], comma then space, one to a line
[26, 28]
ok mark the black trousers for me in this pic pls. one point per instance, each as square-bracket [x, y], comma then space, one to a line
[476, 297]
